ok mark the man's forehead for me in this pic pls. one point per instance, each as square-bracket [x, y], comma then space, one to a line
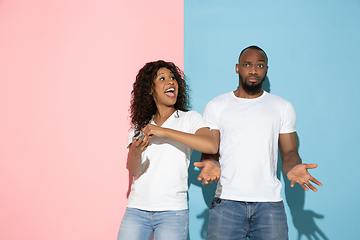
[252, 54]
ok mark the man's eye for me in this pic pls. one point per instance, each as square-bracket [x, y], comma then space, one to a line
[246, 65]
[260, 65]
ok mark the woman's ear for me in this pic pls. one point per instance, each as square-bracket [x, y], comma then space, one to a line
[151, 92]
[152, 89]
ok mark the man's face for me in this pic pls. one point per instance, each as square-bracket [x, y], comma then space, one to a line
[252, 69]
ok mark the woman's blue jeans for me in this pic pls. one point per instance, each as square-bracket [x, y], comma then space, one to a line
[230, 220]
[164, 225]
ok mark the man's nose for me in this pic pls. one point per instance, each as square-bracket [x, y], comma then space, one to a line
[253, 69]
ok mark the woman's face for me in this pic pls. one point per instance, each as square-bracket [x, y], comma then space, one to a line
[165, 88]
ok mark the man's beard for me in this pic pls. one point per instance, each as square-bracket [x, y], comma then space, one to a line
[251, 88]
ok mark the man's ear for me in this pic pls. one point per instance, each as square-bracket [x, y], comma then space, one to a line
[237, 68]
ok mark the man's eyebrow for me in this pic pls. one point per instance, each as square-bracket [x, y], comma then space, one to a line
[261, 60]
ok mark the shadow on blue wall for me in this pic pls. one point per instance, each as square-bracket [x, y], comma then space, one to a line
[303, 220]
[208, 191]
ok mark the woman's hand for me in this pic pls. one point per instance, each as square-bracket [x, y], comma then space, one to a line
[136, 147]
[153, 130]
[140, 145]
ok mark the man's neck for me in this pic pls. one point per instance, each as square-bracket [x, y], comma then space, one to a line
[241, 93]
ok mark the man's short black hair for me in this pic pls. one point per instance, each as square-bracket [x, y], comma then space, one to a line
[255, 48]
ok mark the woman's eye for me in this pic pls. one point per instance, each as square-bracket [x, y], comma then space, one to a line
[162, 79]
[172, 78]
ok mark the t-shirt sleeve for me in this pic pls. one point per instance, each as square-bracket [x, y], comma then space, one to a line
[130, 136]
[210, 115]
[289, 119]
[196, 121]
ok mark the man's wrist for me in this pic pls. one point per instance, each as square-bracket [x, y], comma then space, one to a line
[214, 161]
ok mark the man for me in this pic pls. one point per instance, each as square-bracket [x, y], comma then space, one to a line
[250, 126]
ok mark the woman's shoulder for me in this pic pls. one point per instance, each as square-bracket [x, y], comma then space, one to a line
[188, 116]
[188, 113]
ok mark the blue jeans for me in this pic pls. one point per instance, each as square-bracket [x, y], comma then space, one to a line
[230, 220]
[164, 225]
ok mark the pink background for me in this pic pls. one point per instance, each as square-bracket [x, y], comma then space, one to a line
[66, 73]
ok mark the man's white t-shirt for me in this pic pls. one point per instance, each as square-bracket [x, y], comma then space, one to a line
[249, 134]
[164, 182]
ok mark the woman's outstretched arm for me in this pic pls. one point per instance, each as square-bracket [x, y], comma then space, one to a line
[202, 140]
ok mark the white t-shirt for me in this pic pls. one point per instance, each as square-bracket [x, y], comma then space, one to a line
[164, 184]
[249, 134]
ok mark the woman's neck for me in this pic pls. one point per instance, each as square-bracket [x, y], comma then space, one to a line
[162, 114]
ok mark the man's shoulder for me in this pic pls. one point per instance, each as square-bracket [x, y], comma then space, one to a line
[275, 97]
[217, 104]
[277, 102]
[222, 97]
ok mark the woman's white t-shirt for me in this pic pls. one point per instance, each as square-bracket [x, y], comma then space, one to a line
[163, 184]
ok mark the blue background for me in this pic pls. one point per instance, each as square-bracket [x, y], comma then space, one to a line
[314, 62]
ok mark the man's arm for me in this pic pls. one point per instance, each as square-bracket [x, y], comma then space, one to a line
[209, 164]
[292, 167]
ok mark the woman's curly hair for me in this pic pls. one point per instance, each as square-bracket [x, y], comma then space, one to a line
[142, 105]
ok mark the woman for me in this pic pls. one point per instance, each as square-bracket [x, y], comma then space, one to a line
[157, 204]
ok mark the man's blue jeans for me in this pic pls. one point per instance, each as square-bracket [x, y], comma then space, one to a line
[230, 220]
[164, 225]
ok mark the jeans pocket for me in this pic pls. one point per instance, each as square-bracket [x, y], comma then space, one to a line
[182, 213]
[277, 204]
[217, 202]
